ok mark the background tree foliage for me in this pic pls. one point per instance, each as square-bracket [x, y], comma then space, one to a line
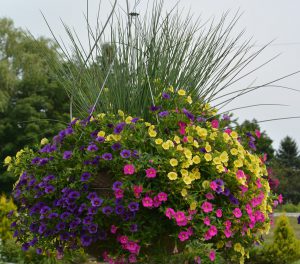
[32, 103]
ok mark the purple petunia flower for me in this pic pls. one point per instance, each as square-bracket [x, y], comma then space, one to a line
[92, 147]
[219, 182]
[45, 210]
[85, 176]
[65, 215]
[74, 195]
[165, 96]
[39, 251]
[61, 226]
[87, 220]
[117, 185]
[226, 117]
[119, 209]
[86, 240]
[43, 161]
[97, 202]
[49, 189]
[35, 160]
[108, 210]
[82, 208]
[25, 246]
[42, 228]
[154, 108]
[48, 178]
[201, 119]
[92, 195]
[33, 227]
[134, 228]
[226, 192]
[93, 228]
[100, 139]
[133, 206]
[125, 153]
[188, 114]
[163, 113]
[119, 127]
[64, 236]
[94, 134]
[52, 215]
[116, 146]
[33, 241]
[67, 154]
[134, 120]
[233, 200]
[107, 156]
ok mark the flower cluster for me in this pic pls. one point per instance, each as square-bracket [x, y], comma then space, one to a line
[184, 175]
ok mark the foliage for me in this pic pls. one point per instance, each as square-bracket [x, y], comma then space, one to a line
[289, 181]
[32, 103]
[155, 177]
[284, 249]
[6, 206]
[9, 252]
[289, 208]
[288, 153]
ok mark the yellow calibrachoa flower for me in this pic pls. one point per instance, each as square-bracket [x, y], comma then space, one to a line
[184, 172]
[187, 180]
[171, 89]
[172, 175]
[158, 141]
[208, 147]
[196, 144]
[189, 100]
[128, 119]
[101, 134]
[165, 145]
[234, 135]
[173, 162]
[237, 247]
[220, 244]
[147, 124]
[195, 175]
[193, 205]
[170, 142]
[234, 151]
[224, 157]
[116, 137]
[100, 116]
[19, 153]
[205, 184]
[190, 139]
[121, 113]
[7, 160]
[181, 92]
[202, 132]
[179, 147]
[220, 168]
[44, 141]
[217, 160]
[196, 159]
[177, 139]
[152, 133]
[238, 163]
[188, 154]
[207, 157]
[184, 192]
[226, 137]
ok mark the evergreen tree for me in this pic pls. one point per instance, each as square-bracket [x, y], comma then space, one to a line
[288, 153]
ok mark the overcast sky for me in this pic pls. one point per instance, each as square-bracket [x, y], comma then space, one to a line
[264, 20]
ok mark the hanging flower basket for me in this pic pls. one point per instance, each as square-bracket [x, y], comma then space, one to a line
[125, 189]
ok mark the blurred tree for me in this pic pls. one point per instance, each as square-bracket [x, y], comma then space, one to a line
[32, 103]
[288, 153]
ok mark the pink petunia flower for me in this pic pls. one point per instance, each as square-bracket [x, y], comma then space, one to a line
[180, 218]
[147, 202]
[215, 123]
[123, 239]
[183, 235]
[213, 231]
[129, 169]
[213, 185]
[119, 193]
[227, 131]
[207, 207]
[280, 198]
[113, 229]
[237, 212]
[209, 196]
[137, 189]
[240, 174]
[258, 184]
[227, 233]
[257, 133]
[151, 173]
[169, 213]
[219, 213]
[206, 221]
[212, 255]
[162, 197]
[227, 224]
